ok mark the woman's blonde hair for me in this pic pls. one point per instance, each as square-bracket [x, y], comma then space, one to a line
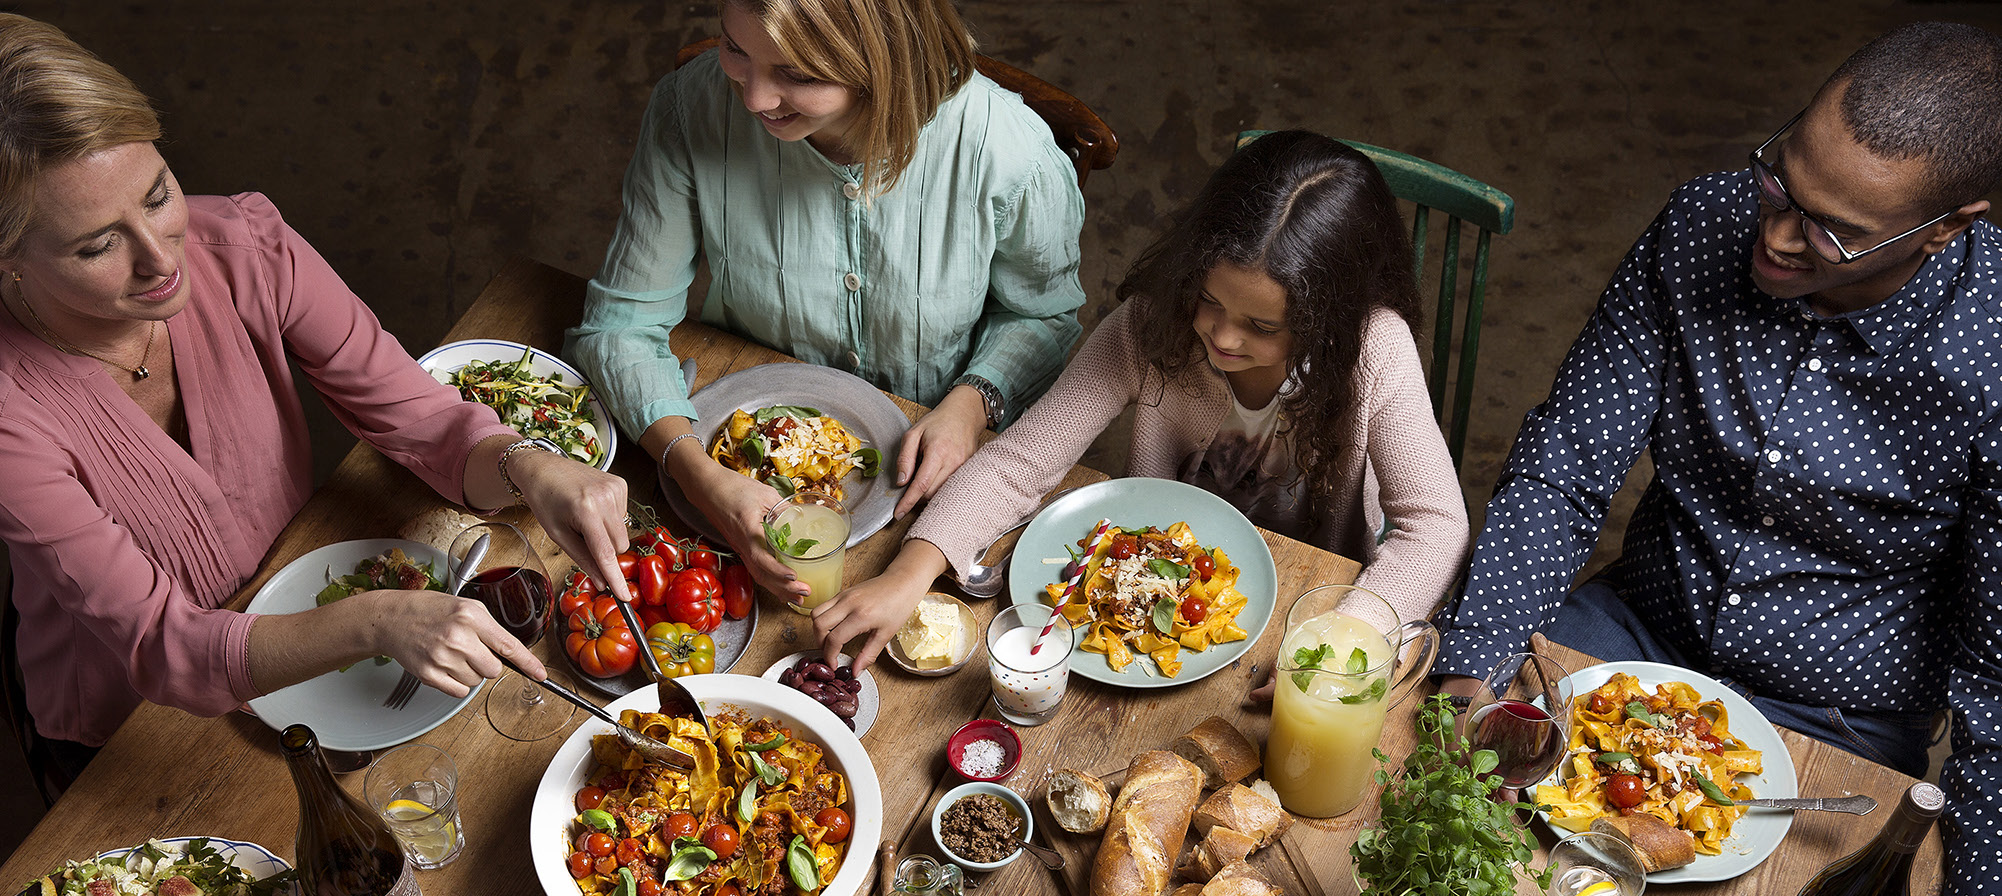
[58, 102]
[904, 58]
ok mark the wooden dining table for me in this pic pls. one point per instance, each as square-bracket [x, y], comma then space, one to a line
[168, 773]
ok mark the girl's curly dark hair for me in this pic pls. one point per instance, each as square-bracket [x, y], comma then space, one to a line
[1314, 215]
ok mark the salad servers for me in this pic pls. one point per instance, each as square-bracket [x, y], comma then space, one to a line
[1854, 805]
[986, 580]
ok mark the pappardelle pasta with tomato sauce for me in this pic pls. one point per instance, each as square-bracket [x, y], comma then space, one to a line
[1151, 594]
[1670, 754]
[759, 814]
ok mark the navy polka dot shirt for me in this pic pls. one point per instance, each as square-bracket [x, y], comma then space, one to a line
[1825, 521]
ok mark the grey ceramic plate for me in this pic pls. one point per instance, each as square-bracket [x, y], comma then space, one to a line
[1137, 503]
[863, 408]
[732, 637]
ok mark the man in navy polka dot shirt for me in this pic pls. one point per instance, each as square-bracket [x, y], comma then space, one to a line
[1811, 351]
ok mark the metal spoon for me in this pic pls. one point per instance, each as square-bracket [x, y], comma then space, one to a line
[1050, 858]
[648, 747]
[675, 700]
[985, 580]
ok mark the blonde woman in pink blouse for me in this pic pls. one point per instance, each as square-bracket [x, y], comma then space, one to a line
[1266, 345]
[153, 442]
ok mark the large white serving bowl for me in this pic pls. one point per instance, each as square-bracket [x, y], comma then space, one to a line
[550, 815]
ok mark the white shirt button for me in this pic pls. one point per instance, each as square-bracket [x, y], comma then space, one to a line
[1734, 600]
[1814, 363]
[1773, 455]
[1765, 521]
[852, 281]
[854, 360]
[851, 191]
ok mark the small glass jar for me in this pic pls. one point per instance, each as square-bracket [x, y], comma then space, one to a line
[923, 874]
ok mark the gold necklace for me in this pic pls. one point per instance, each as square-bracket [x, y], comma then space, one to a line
[140, 372]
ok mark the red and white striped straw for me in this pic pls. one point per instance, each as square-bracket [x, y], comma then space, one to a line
[1070, 585]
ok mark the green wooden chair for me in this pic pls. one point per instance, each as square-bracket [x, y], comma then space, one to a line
[1463, 199]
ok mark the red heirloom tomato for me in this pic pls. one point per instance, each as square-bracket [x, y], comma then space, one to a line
[738, 591]
[835, 821]
[1625, 791]
[695, 599]
[599, 641]
[651, 574]
[577, 591]
[700, 556]
[721, 839]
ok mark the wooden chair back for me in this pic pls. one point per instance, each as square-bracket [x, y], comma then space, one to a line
[1079, 132]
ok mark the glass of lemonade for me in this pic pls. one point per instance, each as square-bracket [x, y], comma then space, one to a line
[1339, 673]
[415, 788]
[809, 533]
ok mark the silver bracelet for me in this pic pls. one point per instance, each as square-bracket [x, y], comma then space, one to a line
[664, 452]
[508, 452]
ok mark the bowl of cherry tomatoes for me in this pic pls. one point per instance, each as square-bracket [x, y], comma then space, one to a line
[697, 607]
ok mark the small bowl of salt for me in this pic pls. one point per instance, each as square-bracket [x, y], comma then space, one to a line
[984, 750]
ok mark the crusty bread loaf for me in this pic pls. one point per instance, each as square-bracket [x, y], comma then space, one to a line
[1217, 851]
[1660, 844]
[1078, 801]
[1187, 890]
[1240, 808]
[1148, 823]
[437, 527]
[1240, 879]
[1224, 754]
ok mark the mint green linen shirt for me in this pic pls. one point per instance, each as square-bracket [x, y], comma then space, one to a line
[969, 265]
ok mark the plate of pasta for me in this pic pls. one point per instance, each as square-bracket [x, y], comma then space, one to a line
[823, 426]
[781, 790]
[1179, 586]
[1654, 738]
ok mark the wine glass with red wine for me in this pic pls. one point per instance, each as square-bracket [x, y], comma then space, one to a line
[1523, 713]
[508, 578]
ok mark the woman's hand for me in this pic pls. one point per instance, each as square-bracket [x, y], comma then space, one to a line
[736, 505]
[581, 507]
[878, 607]
[451, 643]
[938, 443]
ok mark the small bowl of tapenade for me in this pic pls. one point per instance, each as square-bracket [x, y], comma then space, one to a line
[976, 824]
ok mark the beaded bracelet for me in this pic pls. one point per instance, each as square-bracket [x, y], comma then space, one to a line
[538, 444]
[664, 452]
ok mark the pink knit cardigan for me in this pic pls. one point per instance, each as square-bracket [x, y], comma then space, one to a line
[1402, 472]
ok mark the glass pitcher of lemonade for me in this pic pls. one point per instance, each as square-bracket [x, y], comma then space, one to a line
[1339, 673]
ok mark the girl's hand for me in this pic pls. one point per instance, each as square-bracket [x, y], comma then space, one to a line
[450, 643]
[877, 607]
[945, 438]
[581, 507]
[736, 504]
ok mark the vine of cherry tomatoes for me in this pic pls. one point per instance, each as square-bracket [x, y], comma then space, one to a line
[672, 580]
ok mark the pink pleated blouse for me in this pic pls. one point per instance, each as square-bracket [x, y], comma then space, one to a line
[124, 544]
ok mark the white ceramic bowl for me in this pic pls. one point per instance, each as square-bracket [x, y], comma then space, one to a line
[1015, 802]
[554, 807]
[440, 362]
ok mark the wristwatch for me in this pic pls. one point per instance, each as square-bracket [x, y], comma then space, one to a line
[997, 407]
[1460, 701]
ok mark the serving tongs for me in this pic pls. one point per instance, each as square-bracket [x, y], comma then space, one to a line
[650, 748]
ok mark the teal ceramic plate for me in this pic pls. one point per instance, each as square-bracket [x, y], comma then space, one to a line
[1137, 503]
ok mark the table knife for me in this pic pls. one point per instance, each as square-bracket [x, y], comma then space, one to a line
[1854, 805]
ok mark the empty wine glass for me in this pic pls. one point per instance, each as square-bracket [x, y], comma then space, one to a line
[507, 577]
[1583, 864]
[1523, 713]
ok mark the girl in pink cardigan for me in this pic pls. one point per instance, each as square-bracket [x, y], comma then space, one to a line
[1265, 342]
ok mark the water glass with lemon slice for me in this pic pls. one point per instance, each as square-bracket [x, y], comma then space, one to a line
[415, 789]
[1594, 863]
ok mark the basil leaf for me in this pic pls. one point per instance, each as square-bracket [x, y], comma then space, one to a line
[777, 741]
[1711, 790]
[599, 819]
[782, 484]
[771, 774]
[1638, 710]
[752, 450]
[767, 415]
[1613, 757]
[1358, 661]
[1374, 693]
[802, 546]
[747, 802]
[628, 884]
[800, 864]
[689, 858]
[1164, 615]
[779, 537]
[872, 461]
[1302, 679]
[1167, 569]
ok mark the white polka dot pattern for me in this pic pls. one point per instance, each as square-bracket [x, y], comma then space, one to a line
[1825, 522]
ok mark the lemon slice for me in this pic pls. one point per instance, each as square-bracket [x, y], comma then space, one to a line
[406, 810]
[1604, 886]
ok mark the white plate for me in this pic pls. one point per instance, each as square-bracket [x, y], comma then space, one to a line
[1140, 502]
[860, 407]
[554, 808]
[866, 702]
[260, 862]
[1759, 831]
[345, 709]
[440, 362]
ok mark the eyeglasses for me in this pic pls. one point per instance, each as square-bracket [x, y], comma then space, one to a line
[1826, 244]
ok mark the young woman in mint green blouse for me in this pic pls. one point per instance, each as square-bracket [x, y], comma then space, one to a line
[865, 200]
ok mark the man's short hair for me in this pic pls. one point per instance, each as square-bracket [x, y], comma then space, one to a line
[1931, 91]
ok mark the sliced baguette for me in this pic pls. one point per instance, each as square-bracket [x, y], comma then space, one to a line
[1224, 754]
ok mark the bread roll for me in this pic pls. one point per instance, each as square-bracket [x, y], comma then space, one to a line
[1148, 823]
[1078, 801]
[1660, 844]
[1240, 808]
[1217, 851]
[1240, 879]
[437, 527]
[1224, 754]
[1188, 890]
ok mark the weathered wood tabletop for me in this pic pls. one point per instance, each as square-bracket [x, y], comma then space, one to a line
[168, 773]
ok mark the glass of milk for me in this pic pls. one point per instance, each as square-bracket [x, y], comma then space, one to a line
[1028, 673]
